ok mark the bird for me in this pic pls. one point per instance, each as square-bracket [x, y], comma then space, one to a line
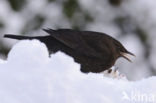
[94, 51]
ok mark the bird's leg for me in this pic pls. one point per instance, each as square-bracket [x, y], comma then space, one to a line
[113, 73]
[115, 68]
[116, 73]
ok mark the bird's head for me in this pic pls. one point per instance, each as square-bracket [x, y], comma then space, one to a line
[122, 51]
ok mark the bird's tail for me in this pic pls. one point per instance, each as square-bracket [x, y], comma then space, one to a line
[18, 37]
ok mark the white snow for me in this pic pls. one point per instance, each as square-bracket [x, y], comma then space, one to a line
[29, 75]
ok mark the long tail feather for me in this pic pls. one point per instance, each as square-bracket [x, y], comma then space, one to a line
[17, 37]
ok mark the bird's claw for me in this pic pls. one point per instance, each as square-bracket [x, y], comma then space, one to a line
[113, 73]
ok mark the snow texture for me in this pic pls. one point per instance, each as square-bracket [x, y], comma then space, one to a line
[30, 75]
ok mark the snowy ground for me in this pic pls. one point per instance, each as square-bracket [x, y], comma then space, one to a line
[29, 75]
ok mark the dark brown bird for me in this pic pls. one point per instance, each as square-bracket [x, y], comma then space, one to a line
[95, 51]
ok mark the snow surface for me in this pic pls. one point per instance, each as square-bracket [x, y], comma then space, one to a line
[30, 75]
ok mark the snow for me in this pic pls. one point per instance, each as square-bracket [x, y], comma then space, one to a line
[30, 75]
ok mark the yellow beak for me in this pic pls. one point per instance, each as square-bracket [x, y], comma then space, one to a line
[126, 55]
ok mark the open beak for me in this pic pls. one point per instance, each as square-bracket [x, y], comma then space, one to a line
[126, 55]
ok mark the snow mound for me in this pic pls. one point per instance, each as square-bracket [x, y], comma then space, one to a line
[30, 75]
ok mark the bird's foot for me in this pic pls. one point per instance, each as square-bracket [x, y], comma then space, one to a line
[114, 73]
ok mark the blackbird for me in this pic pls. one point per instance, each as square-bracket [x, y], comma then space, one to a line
[94, 51]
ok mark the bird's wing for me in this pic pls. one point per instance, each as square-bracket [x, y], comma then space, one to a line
[99, 41]
[74, 40]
